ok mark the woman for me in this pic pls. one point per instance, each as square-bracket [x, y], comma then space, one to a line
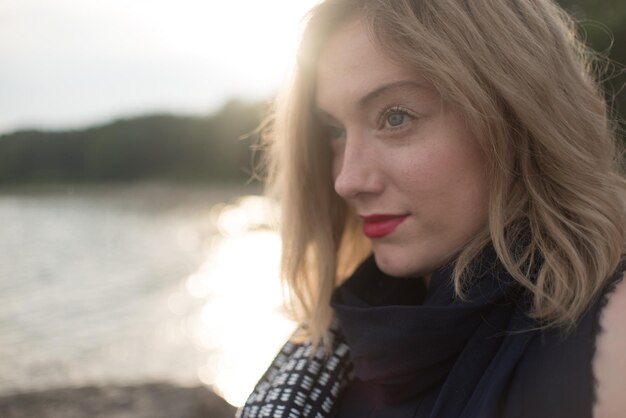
[453, 217]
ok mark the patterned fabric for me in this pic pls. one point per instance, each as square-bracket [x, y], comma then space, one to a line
[300, 383]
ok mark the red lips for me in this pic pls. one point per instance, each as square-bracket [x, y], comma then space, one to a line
[377, 226]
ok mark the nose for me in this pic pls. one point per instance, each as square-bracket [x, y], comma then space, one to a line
[356, 169]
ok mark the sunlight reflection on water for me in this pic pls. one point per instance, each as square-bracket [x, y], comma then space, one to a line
[137, 284]
[241, 322]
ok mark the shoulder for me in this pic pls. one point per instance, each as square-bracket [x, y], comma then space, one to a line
[609, 364]
[580, 370]
[302, 377]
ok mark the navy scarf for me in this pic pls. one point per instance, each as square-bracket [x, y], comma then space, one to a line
[408, 342]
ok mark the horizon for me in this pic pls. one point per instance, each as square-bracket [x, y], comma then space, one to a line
[107, 121]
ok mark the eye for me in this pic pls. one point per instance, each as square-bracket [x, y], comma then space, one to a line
[394, 117]
[333, 132]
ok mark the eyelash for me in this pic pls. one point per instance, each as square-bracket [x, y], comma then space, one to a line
[384, 116]
[334, 132]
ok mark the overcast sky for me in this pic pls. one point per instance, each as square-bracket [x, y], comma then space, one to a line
[72, 63]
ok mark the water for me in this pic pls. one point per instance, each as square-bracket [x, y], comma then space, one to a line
[138, 283]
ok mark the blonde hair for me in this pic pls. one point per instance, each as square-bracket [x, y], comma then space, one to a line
[525, 84]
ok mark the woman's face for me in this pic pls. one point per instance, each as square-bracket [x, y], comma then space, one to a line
[403, 160]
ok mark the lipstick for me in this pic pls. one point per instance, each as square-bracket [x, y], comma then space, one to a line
[378, 226]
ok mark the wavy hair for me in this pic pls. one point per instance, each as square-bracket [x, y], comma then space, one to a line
[526, 86]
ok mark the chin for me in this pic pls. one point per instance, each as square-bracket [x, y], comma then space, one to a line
[397, 267]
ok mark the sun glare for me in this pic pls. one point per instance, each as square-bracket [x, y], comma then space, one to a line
[240, 324]
[250, 42]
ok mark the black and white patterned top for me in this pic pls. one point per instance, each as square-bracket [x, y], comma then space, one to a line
[301, 383]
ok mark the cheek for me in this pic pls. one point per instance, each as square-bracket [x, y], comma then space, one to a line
[450, 180]
[437, 169]
[469, 186]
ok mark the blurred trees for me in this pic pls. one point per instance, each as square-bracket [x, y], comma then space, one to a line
[162, 147]
[603, 23]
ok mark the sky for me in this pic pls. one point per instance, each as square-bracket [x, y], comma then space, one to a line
[67, 64]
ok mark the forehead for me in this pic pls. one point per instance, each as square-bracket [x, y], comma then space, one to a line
[352, 64]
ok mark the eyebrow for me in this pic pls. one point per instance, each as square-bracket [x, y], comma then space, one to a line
[374, 94]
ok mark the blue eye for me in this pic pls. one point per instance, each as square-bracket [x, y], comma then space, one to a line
[396, 119]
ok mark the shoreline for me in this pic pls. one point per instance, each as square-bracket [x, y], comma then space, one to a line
[148, 400]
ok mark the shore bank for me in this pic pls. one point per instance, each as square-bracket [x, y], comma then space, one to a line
[152, 400]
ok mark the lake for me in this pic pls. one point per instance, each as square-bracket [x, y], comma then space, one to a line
[138, 283]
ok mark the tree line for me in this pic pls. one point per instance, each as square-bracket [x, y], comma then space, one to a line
[155, 147]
